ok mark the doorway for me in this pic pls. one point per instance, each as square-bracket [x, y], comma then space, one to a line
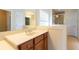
[4, 20]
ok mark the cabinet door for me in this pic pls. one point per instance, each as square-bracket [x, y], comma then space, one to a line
[27, 45]
[31, 48]
[3, 20]
[40, 45]
[46, 43]
[38, 39]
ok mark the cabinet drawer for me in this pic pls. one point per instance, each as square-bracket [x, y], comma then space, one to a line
[38, 39]
[26, 46]
[45, 34]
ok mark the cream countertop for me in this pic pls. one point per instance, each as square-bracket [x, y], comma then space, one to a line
[5, 45]
[21, 37]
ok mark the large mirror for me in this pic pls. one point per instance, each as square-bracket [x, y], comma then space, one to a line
[20, 20]
[14, 19]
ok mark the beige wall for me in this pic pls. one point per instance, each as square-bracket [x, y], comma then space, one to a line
[17, 19]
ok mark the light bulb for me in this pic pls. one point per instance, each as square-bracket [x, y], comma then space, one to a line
[57, 16]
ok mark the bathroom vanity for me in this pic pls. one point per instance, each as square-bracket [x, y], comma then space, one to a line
[37, 43]
[36, 40]
[53, 38]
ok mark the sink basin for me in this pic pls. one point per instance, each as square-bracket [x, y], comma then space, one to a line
[30, 33]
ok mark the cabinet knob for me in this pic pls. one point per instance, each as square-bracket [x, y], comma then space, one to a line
[28, 46]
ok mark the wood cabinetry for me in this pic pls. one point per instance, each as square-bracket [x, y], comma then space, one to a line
[46, 41]
[26, 45]
[3, 20]
[38, 43]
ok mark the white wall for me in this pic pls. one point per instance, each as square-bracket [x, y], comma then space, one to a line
[48, 13]
[17, 19]
[44, 18]
[57, 37]
[70, 19]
